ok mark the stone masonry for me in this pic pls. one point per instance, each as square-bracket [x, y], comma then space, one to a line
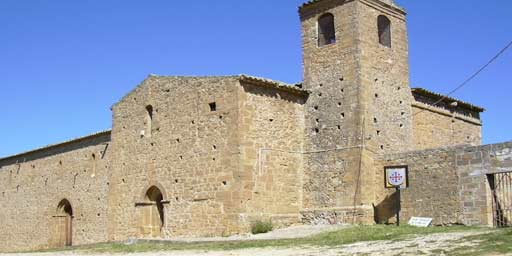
[209, 156]
[32, 185]
[450, 184]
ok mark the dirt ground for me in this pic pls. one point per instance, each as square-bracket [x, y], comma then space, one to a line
[434, 244]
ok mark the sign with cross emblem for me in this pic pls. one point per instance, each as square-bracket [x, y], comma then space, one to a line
[396, 177]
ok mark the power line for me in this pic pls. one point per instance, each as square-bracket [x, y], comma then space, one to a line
[501, 52]
[471, 77]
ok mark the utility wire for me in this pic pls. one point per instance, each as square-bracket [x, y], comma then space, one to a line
[501, 52]
[471, 77]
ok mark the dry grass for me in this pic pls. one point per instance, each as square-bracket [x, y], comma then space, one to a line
[329, 239]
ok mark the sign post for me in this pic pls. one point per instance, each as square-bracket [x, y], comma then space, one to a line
[397, 177]
[399, 206]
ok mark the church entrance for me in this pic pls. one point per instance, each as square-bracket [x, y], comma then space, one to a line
[152, 213]
[63, 221]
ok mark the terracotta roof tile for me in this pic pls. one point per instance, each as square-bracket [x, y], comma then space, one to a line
[294, 88]
[437, 96]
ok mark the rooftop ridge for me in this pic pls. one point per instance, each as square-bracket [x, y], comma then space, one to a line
[50, 146]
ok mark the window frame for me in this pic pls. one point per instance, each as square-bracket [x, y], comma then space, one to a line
[322, 40]
[384, 32]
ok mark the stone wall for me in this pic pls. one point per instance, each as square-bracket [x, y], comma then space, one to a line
[386, 94]
[476, 165]
[333, 114]
[450, 185]
[433, 191]
[449, 128]
[271, 145]
[360, 102]
[33, 184]
[191, 153]
[346, 189]
[207, 156]
[222, 152]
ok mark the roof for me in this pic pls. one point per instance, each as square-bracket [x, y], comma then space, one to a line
[446, 99]
[388, 3]
[293, 88]
[52, 146]
[309, 3]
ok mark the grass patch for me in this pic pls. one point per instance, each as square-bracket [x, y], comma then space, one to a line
[498, 242]
[329, 239]
[376, 233]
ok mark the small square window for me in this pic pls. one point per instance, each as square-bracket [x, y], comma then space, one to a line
[213, 106]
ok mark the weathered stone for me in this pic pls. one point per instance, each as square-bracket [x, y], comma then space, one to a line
[207, 156]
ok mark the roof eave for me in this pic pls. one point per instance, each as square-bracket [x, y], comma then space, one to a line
[438, 96]
[393, 7]
[51, 146]
[274, 84]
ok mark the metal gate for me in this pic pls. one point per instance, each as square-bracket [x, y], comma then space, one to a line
[501, 186]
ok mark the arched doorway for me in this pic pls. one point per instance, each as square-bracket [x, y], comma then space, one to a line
[152, 219]
[63, 220]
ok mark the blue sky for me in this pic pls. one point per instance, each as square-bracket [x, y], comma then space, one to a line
[64, 63]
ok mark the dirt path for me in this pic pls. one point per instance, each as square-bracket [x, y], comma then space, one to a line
[298, 231]
[434, 244]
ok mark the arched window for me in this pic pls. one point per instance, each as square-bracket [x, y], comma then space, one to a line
[326, 30]
[149, 120]
[384, 26]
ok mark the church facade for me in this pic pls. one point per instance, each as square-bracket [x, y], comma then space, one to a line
[208, 156]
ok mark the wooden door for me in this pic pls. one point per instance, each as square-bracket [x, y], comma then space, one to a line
[151, 223]
[63, 225]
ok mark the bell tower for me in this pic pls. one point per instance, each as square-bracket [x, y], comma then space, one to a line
[356, 68]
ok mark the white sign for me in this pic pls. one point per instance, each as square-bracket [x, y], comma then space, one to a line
[396, 177]
[420, 222]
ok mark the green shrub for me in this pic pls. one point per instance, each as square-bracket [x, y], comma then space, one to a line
[260, 227]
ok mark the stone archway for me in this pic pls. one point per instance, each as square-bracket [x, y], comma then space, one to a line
[152, 213]
[63, 224]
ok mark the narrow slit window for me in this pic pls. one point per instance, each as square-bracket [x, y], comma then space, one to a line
[213, 106]
[149, 120]
[384, 27]
[326, 30]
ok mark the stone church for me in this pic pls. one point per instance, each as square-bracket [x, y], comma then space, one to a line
[208, 156]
